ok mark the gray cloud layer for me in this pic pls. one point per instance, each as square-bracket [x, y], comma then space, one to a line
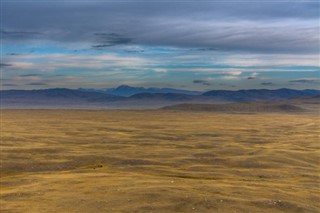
[305, 81]
[30, 75]
[5, 65]
[110, 39]
[245, 26]
[36, 84]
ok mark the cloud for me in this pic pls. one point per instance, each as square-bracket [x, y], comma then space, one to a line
[252, 76]
[267, 84]
[30, 75]
[5, 65]
[26, 78]
[230, 77]
[199, 81]
[306, 80]
[268, 60]
[37, 84]
[13, 35]
[203, 82]
[160, 70]
[242, 26]
[9, 85]
[206, 49]
[50, 62]
[180, 41]
[134, 50]
[110, 39]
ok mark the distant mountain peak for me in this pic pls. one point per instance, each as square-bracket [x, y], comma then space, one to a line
[127, 90]
[125, 86]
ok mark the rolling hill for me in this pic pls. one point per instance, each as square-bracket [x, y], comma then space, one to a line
[261, 94]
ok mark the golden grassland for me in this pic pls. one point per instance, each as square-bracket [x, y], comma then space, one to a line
[158, 161]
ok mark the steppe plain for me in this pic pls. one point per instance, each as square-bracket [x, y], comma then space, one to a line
[158, 161]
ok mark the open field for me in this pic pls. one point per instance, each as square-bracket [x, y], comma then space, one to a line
[158, 161]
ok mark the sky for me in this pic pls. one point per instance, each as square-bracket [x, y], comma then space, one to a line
[196, 45]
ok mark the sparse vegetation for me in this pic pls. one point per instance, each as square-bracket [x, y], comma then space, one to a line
[158, 161]
[237, 107]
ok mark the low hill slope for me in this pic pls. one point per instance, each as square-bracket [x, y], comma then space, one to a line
[310, 103]
[261, 94]
[236, 107]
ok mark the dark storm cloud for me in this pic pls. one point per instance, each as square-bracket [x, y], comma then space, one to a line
[262, 26]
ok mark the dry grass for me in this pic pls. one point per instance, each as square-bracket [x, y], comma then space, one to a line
[157, 161]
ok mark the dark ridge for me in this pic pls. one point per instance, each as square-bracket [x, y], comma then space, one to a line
[163, 96]
[57, 93]
[127, 91]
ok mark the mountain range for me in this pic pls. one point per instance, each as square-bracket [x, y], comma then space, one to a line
[80, 98]
[126, 91]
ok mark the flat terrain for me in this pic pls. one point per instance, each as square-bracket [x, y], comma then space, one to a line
[158, 161]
